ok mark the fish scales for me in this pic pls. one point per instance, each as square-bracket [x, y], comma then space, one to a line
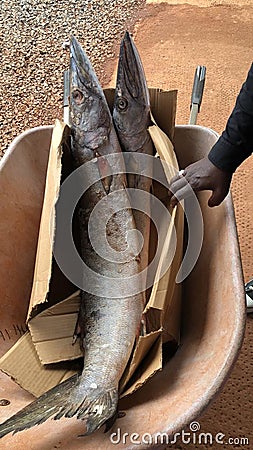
[131, 115]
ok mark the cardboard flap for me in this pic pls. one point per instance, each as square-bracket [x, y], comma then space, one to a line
[43, 262]
[165, 150]
[28, 371]
[166, 295]
[151, 364]
[143, 346]
[163, 107]
[52, 331]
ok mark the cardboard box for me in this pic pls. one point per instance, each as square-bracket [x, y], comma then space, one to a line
[54, 302]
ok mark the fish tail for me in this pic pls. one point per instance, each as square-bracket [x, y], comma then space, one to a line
[96, 408]
[68, 399]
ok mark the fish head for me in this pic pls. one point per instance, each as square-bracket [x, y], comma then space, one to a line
[131, 112]
[89, 114]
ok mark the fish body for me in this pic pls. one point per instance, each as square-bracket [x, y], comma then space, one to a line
[131, 116]
[108, 325]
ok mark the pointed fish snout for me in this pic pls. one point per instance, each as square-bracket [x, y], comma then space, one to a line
[130, 71]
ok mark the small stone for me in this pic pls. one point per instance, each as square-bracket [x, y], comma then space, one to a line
[4, 402]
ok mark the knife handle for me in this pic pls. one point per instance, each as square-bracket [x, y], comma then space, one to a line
[198, 86]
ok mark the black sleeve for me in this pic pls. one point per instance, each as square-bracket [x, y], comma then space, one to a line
[236, 142]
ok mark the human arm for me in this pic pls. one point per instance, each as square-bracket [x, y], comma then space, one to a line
[232, 148]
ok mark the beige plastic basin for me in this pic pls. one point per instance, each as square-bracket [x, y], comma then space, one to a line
[213, 307]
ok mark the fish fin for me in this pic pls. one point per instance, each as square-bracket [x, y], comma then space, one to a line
[97, 409]
[40, 410]
[68, 399]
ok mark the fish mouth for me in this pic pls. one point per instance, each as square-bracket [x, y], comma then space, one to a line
[89, 113]
[82, 75]
[131, 74]
[76, 51]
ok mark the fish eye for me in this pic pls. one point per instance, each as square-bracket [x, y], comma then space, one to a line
[122, 104]
[77, 96]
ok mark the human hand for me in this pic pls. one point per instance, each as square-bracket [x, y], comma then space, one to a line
[199, 176]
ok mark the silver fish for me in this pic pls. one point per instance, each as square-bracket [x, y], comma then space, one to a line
[131, 116]
[108, 325]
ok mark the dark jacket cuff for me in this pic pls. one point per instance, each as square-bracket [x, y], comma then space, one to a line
[227, 156]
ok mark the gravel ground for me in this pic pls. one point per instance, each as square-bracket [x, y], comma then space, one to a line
[33, 60]
[205, 3]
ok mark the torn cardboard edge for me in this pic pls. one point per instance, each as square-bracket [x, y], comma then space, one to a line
[22, 364]
[45, 334]
[52, 331]
[44, 255]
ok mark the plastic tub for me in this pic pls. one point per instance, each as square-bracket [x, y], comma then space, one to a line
[213, 317]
